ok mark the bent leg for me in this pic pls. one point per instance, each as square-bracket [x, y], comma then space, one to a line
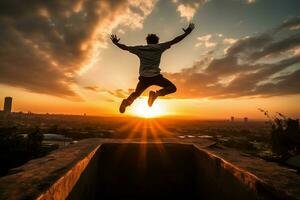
[140, 88]
[167, 86]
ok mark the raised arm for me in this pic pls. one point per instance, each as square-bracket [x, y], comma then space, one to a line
[187, 31]
[116, 40]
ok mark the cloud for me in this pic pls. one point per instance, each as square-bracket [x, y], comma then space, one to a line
[250, 1]
[288, 84]
[229, 41]
[92, 88]
[254, 66]
[45, 44]
[277, 47]
[205, 41]
[292, 23]
[188, 8]
[297, 51]
[120, 93]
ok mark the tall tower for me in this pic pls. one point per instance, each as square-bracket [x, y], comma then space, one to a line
[7, 104]
[232, 118]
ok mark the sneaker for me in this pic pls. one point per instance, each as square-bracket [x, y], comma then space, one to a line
[152, 97]
[123, 106]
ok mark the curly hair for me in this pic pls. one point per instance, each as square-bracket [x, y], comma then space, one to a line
[152, 38]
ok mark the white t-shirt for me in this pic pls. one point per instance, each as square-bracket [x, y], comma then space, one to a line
[149, 56]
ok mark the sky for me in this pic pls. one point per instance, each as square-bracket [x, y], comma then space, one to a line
[56, 56]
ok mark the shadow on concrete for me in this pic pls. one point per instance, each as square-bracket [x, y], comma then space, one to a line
[156, 170]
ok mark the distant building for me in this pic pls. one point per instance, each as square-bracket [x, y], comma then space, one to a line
[232, 118]
[245, 119]
[7, 104]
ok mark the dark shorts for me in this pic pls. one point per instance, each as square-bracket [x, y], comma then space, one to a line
[145, 82]
[158, 80]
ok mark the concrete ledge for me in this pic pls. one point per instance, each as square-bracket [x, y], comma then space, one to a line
[56, 175]
[64, 185]
[234, 182]
[40, 178]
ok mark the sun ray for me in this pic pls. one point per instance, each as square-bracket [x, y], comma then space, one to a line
[143, 145]
[156, 135]
[133, 128]
[146, 129]
[162, 130]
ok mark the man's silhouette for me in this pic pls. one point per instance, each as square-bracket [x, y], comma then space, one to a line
[149, 71]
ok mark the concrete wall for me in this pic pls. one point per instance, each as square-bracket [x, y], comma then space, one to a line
[218, 179]
[165, 170]
[50, 177]
[96, 168]
[139, 170]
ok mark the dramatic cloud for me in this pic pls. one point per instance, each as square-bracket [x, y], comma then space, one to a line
[259, 66]
[188, 8]
[292, 24]
[205, 41]
[229, 41]
[44, 44]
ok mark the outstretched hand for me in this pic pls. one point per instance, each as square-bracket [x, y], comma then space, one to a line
[189, 29]
[114, 38]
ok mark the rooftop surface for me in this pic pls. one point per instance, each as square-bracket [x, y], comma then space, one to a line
[58, 172]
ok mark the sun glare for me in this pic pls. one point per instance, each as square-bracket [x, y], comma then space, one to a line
[140, 108]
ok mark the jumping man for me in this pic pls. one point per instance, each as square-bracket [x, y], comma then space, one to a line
[149, 70]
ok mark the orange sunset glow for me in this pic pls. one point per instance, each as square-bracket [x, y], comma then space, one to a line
[135, 99]
[141, 109]
[67, 64]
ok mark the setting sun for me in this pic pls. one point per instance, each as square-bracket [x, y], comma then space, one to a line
[142, 109]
